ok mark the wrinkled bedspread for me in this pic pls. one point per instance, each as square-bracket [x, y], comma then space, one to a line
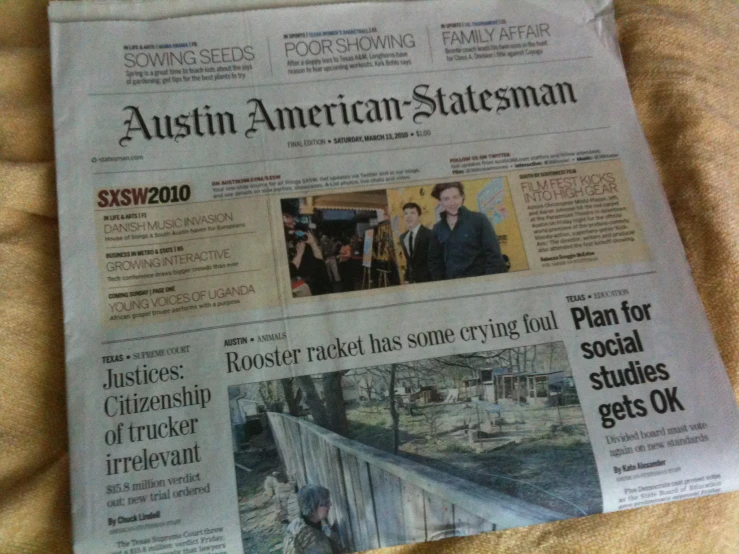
[682, 61]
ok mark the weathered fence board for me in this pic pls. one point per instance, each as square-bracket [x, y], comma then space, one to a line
[340, 501]
[291, 456]
[311, 467]
[466, 523]
[361, 509]
[277, 425]
[414, 513]
[292, 436]
[318, 459]
[389, 505]
[439, 517]
[373, 533]
[380, 499]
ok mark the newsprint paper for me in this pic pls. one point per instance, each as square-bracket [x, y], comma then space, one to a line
[350, 276]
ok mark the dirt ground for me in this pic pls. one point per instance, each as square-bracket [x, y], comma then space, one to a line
[539, 455]
[261, 532]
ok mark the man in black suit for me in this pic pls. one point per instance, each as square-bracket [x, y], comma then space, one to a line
[415, 244]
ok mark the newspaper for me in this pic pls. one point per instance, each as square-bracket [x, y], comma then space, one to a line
[349, 276]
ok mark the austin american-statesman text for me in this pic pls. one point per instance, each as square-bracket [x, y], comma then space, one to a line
[201, 122]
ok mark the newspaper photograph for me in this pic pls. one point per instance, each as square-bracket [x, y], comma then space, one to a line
[350, 276]
[421, 437]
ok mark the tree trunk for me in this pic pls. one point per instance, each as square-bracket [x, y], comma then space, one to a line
[395, 416]
[525, 352]
[334, 402]
[266, 400]
[290, 400]
[551, 356]
[315, 404]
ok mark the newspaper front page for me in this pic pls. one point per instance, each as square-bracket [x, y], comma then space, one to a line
[350, 276]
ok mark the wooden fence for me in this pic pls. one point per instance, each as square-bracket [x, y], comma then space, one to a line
[380, 499]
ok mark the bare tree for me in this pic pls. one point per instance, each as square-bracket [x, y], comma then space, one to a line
[334, 402]
[330, 411]
[394, 415]
[312, 398]
[365, 384]
[290, 398]
[432, 417]
[270, 396]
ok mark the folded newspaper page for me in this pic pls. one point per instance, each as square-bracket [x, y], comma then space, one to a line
[350, 276]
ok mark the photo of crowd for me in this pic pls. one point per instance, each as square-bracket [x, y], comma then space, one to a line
[373, 239]
[325, 240]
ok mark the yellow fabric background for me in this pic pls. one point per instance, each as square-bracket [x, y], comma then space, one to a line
[682, 61]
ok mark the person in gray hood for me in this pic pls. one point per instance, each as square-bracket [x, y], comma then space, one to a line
[309, 533]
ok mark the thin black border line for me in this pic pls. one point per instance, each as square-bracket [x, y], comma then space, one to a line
[274, 239]
[185, 279]
[339, 78]
[269, 57]
[182, 240]
[326, 155]
[372, 308]
[431, 50]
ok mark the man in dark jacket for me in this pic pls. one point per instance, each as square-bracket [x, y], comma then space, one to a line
[415, 245]
[463, 243]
